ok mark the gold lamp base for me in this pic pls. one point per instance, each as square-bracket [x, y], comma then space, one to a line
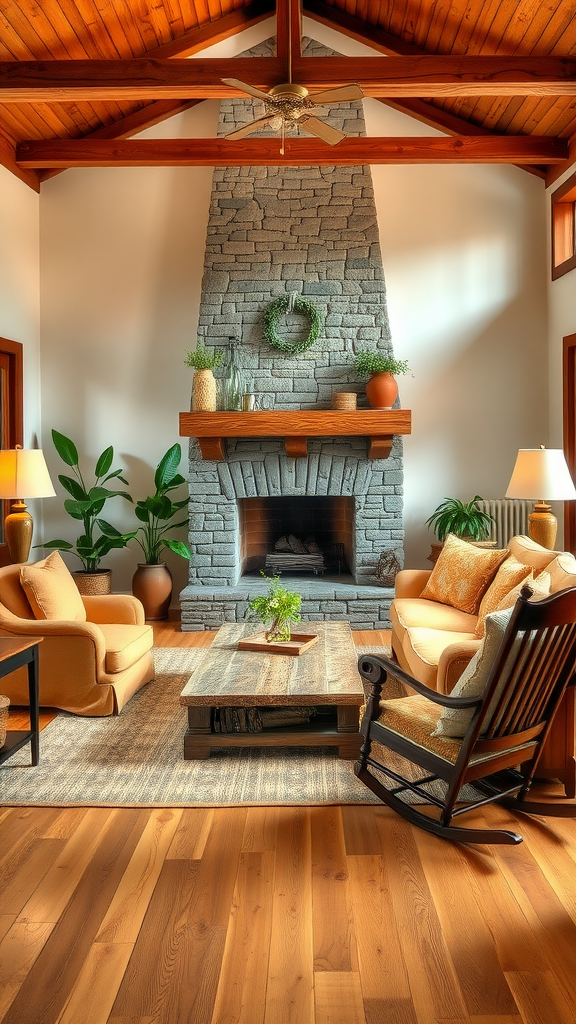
[18, 527]
[542, 525]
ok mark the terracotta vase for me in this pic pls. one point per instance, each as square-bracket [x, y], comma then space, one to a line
[382, 391]
[204, 391]
[152, 585]
[94, 583]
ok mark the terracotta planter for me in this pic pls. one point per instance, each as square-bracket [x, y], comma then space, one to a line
[203, 391]
[152, 585]
[93, 583]
[382, 391]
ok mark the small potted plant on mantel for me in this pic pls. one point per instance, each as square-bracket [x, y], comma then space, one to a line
[204, 361]
[380, 367]
[85, 505]
[152, 581]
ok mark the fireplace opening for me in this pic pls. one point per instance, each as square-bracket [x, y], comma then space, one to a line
[294, 534]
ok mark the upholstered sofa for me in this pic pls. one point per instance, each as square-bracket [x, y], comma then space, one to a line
[89, 667]
[435, 641]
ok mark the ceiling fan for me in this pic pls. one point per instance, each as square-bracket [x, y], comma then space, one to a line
[289, 104]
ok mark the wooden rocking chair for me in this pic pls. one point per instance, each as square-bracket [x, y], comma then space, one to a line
[500, 748]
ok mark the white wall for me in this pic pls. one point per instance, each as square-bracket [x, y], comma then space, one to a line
[464, 260]
[122, 254]
[20, 286]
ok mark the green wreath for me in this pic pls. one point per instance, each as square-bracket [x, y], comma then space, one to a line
[274, 313]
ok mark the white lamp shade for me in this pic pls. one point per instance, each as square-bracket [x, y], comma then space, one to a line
[24, 474]
[541, 473]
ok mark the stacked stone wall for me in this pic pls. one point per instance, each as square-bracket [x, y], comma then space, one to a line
[311, 231]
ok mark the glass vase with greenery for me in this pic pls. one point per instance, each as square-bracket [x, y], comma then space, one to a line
[85, 504]
[463, 519]
[276, 609]
[157, 511]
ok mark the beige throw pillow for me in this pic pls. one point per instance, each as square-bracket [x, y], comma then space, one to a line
[51, 590]
[540, 588]
[462, 574]
[509, 575]
[455, 721]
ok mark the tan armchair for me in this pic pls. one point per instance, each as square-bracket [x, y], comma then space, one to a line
[89, 668]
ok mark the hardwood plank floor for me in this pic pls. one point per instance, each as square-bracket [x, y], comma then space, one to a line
[281, 915]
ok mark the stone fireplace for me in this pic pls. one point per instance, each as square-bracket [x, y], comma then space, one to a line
[313, 231]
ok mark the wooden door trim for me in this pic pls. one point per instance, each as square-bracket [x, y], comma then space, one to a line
[569, 429]
[15, 352]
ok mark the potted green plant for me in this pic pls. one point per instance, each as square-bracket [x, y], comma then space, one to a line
[204, 361]
[380, 367]
[152, 581]
[464, 519]
[85, 504]
[276, 609]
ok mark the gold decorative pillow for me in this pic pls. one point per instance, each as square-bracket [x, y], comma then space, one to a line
[462, 574]
[509, 575]
[540, 588]
[51, 590]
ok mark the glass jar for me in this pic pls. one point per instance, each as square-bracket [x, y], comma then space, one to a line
[235, 378]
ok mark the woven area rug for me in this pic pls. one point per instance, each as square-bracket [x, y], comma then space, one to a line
[135, 759]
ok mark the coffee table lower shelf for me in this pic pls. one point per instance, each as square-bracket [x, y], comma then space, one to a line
[199, 739]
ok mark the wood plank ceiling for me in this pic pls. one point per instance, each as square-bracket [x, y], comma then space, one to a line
[437, 68]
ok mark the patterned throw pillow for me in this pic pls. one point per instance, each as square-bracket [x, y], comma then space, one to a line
[509, 575]
[540, 588]
[462, 574]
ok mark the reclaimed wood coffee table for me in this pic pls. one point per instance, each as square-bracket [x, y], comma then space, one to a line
[325, 676]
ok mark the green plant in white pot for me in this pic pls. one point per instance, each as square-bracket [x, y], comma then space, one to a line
[152, 581]
[85, 505]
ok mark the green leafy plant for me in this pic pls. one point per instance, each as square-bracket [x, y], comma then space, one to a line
[276, 609]
[86, 504]
[157, 510]
[465, 520]
[368, 363]
[203, 358]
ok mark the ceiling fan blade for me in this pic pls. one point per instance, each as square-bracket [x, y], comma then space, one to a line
[248, 129]
[251, 90]
[345, 92]
[321, 130]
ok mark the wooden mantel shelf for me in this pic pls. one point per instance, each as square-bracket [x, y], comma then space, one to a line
[296, 426]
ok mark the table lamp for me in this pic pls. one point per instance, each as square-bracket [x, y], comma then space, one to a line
[23, 474]
[542, 471]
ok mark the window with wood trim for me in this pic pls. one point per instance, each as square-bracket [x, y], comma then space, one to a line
[11, 415]
[564, 228]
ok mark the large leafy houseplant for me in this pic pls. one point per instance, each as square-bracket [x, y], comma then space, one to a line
[157, 511]
[464, 519]
[85, 504]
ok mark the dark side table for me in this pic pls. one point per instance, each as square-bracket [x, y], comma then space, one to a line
[14, 653]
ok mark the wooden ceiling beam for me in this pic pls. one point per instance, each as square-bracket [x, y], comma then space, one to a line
[558, 170]
[144, 78]
[300, 152]
[8, 160]
[432, 75]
